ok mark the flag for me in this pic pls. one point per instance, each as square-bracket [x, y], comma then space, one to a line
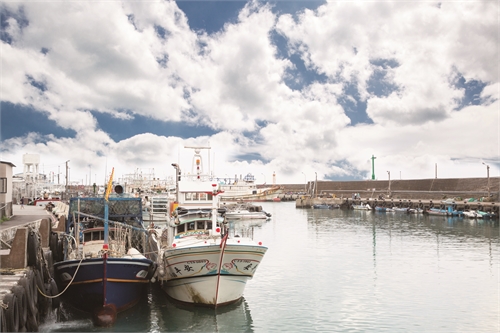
[110, 185]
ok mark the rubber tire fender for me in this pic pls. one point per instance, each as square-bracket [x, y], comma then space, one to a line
[22, 305]
[3, 320]
[11, 314]
[54, 291]
[33, 245]
[28, 289]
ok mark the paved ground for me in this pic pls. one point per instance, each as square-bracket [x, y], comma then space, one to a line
[26, 215]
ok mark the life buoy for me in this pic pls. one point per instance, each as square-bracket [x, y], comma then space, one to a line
[11, 314]
[22, 305]
[33, 245]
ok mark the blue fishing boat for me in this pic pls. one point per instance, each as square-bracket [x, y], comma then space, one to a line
[104, 270]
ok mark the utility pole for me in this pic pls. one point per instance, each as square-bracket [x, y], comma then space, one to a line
[488, 175]
[373, 167]
[316, 186]
[389, 173]
[67, 178]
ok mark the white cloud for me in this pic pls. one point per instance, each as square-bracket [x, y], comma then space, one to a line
[110, 57]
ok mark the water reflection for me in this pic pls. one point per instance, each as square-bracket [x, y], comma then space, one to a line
[156, 313]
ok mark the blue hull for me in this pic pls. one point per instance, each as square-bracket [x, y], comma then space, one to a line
[125, 283]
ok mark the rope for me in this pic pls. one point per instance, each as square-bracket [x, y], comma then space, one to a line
[69, 284]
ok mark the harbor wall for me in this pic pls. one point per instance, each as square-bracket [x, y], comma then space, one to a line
[429, 189]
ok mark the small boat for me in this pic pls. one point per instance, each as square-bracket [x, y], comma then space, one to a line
[436, 211]
[362, 207]
[401, 210]
[486, 215]
[383, 209]
[104, 270]
[415, 211]
[245, 211]
[203, 262]
[472, 214]
[326, 206]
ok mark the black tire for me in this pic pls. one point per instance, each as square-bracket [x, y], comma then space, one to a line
[32, 323]
[54, 291]
[11, 314]
[28, 289]
[50, 262]
[30, 274]
[3, 320]
[54, 237]
[33, 244]
[22, 304]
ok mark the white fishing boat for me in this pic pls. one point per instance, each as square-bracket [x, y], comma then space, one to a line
[202, 261]
[245, 189]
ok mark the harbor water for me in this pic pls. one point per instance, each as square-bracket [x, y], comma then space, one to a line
[343, 271]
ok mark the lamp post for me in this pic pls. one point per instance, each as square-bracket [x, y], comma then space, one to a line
[305, 182]
[389, 173]
[488, 175]
[373, 167]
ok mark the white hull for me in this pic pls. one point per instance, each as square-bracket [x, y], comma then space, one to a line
[209, 274]
[246, 216]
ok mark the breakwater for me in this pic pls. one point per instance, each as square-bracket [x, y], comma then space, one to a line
[406, 189]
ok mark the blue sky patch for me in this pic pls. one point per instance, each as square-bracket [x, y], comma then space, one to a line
[19, 121]
[121, 129]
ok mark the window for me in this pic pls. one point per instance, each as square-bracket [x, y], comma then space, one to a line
[200, 225]
[3, 185]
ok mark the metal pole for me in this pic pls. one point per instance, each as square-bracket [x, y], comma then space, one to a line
[488, 175]
[67, 178]
[316, 186]
[389, 173]
[305, 182]
[373, 167]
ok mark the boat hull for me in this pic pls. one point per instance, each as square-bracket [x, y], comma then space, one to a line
[125, 282]
[211, 275]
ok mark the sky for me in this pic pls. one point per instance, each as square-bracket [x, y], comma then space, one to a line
[298, 89]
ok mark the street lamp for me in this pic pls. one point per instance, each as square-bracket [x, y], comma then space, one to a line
[488, 175]
[305, 182]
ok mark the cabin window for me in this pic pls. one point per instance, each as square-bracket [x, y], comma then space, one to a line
[181, 228]
[189, 196]
[87, 237]
[203, 196]
[209, 225]
[191, 226]
[3, 185]
[200, 225]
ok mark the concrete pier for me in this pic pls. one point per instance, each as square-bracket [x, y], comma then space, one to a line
[27, 288]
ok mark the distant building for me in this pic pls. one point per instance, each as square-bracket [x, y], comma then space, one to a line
[6, 189]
